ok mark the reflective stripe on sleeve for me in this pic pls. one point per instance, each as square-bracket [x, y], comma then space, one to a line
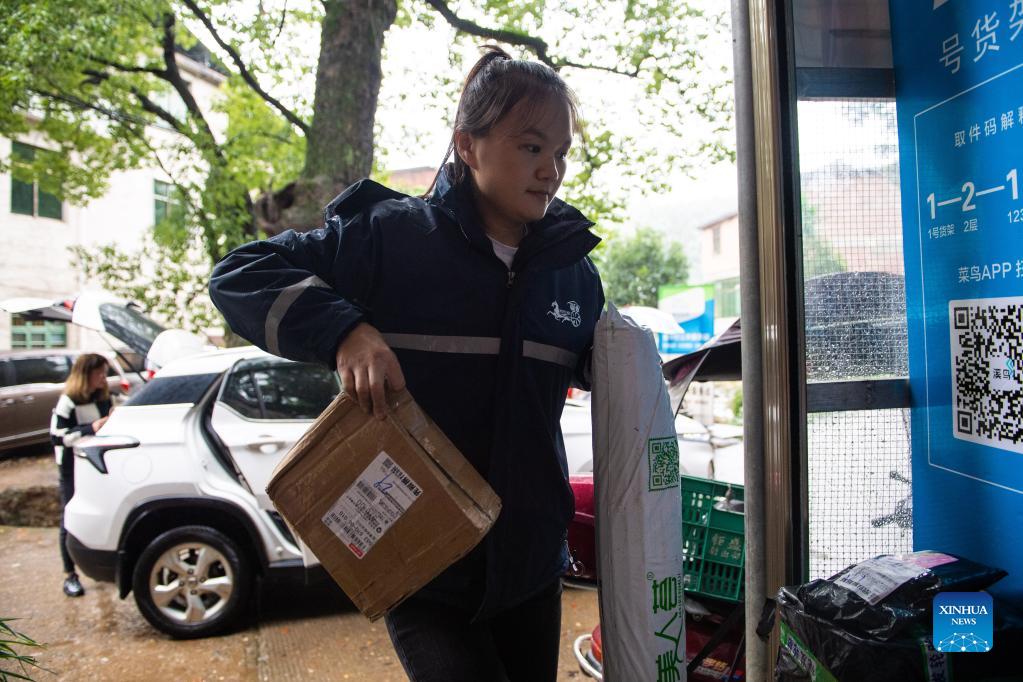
[478, 345]
[280, 308]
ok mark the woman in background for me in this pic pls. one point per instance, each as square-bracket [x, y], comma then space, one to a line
[81, 411]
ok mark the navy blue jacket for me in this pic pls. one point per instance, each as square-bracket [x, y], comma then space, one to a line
[489, 353]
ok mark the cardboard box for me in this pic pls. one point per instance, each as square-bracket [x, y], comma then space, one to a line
[385, 505]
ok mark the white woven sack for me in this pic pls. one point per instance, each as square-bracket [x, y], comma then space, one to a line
[638, 507]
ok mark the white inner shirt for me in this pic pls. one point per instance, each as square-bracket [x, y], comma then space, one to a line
[503, 251]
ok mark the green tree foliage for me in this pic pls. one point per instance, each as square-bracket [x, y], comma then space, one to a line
[632, 268]
[176, 295]
[736, 405]
[94, 78]
[819, 257]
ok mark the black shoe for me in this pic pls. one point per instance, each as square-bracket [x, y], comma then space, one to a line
[72, 587]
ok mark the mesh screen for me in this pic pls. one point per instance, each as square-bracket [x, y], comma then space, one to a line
[854, 291]
[859, 491]
[855, 315]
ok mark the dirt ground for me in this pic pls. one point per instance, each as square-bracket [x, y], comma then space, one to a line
[27, 471]
[299, 633]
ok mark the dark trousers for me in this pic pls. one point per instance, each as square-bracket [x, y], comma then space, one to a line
[438, 643]
[67, 490]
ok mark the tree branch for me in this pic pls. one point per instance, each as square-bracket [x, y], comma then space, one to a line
[244, 71]
[149, 105]
[560, 63]
[174, 78]
[112, 114]
[162, 73]
[158, 111]
[538, 46]
[280, 25]
[183, 189]
[258, 133]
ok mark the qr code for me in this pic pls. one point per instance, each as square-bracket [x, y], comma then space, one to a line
[662, 454]
[987, 356]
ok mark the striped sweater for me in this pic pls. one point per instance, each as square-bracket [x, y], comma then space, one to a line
[71, 421]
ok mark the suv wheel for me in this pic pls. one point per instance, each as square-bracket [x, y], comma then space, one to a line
[192, 582]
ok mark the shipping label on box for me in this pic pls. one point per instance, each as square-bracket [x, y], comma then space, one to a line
[378, 498]
[385, 505]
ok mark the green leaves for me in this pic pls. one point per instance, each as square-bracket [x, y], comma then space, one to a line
[15, 665]
[91, 81]
[169, 280]
[57, 79]
[632, 268]
[262, 150]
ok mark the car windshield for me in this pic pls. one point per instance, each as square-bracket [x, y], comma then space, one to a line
[130, 326]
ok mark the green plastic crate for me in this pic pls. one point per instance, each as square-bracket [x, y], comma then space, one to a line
[713, 540]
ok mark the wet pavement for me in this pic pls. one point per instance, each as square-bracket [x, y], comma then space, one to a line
[299, 634]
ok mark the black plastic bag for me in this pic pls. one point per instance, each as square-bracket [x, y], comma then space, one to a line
[872, 621]
[909, 603]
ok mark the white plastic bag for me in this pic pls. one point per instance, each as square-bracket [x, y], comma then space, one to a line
[638, 507]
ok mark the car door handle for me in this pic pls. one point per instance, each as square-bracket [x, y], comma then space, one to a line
[28, 399]
[267, 446]
[7, 401]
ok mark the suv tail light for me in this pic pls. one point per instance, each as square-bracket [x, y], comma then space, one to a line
[125, 386]
[95, 448]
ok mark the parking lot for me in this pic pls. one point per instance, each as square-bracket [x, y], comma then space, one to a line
[296, 634]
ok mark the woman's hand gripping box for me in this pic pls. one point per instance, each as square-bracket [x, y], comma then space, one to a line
[385, 505]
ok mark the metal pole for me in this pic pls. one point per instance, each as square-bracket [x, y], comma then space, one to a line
[757, 660]
[771, 463]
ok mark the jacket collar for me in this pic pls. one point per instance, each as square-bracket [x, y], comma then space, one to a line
[561, 224]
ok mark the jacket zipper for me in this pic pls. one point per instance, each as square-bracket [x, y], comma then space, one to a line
[511, 278]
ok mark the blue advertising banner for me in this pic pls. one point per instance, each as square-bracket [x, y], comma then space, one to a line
[959, 84]
[692, 306]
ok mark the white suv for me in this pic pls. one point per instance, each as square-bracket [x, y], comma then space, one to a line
[170, 500]
[169, 497]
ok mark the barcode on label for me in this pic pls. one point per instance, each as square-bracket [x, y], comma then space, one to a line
[366, 490]
[409, 484]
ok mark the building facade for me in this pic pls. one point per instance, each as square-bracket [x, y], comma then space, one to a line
[37, 228]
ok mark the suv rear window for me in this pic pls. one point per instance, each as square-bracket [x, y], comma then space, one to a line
[173, 390]
[130, 326]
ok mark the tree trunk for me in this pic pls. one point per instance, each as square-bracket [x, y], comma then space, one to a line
[339, 147]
